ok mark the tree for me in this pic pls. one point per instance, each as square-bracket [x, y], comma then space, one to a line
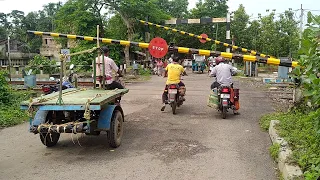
[289, 34]
[130, 10]
[239, 27]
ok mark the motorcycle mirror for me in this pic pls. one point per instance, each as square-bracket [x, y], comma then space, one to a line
[51, 78]
[71, 66]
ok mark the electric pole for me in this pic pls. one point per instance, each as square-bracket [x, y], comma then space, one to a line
[9, 59]
[301, 23]
[228, 32]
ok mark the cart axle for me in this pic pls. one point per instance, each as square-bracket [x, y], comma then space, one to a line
[80, 127]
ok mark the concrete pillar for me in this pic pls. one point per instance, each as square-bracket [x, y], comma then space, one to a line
[17, 69]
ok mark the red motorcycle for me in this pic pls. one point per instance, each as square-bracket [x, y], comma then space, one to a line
[174, 97]
[228, 99]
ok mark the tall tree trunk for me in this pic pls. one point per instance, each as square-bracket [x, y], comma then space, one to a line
[130, 33]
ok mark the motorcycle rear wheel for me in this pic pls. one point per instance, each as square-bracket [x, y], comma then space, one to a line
[174, 107]
[224, 113]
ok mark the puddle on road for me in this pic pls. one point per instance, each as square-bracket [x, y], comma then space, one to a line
[171, 150]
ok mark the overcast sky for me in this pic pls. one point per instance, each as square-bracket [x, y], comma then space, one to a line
[253, 7]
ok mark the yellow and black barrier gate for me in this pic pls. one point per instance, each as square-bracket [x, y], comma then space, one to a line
[206, 39]
[183, 50]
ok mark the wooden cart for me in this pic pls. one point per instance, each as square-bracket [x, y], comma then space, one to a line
[78, 111]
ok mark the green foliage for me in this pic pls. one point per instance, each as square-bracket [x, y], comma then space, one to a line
[10, 113]
[265, 119]
[310, 61]
[143, 71]
[300, 128]
[274, 150]
[5, 91]
[45, 62]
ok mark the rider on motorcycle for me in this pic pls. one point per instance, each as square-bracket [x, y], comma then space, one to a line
[173, 71]
[223, 73]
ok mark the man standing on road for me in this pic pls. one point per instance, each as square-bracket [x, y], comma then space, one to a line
[173, 71]
[110, 66]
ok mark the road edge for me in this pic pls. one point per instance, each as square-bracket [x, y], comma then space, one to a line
[288, 171]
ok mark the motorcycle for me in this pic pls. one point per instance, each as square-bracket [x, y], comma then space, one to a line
[48, 89]
[225, 100]
[175, 99]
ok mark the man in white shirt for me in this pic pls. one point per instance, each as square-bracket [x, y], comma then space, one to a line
[223, 72]
[110, 66]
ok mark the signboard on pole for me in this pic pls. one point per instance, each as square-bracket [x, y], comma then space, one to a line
[158, 47]
[66, 51]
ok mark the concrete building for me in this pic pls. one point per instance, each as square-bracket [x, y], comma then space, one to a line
[50, 48]
[18, 58]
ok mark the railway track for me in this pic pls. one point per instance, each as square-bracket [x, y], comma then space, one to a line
[40, 83]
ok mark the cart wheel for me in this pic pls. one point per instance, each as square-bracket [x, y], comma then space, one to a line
[49, 139]
[116, 129]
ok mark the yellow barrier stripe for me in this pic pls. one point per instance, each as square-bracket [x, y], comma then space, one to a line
[70, 36]
[273, 61]
[226, 55]
[144, 45]
[54, 34]
[185, 50]
[87, 38]
[204, 52]
[192, 35]
[295, 64]
[250, 58]
[38, 33]
[126, 43]
[104, 40]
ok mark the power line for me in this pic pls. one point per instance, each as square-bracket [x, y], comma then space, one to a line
[296, 10]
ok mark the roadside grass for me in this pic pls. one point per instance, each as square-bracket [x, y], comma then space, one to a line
[10, 114]
[301, 129]
[274, 150]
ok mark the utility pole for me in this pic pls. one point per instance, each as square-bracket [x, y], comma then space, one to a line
[9, 59]
[301, 23]
[147, 40]
[228, 32]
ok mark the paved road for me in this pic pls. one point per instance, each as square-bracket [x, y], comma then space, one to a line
[194, 144]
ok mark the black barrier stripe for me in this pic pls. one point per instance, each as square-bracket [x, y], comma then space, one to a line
[262, 60]
[184, 50]
[285, 63]
[240, 48]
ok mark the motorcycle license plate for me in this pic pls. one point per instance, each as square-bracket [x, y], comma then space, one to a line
[173, 91]
[225, 95]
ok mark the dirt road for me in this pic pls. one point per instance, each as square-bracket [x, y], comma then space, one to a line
[194, 144]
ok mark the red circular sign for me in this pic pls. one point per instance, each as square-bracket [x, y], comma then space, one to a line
[204, 36]
[158, 47]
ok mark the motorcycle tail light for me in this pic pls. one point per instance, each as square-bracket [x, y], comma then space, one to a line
[173, 87]
[225, 90]
[45, 89]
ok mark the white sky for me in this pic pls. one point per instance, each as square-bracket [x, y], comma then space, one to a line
[253, 7]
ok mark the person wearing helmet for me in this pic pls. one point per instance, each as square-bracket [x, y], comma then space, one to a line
[223, 73]
[173, 71]
[110, 66]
